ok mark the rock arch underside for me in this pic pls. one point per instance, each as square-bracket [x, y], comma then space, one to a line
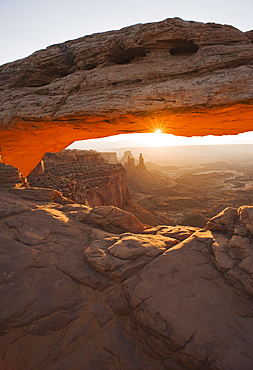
[189, 78]
[94, 288]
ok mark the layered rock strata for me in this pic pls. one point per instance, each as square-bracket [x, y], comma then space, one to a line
[75, 296]
[11, 177]
[83, 176]
[86, 177]
[189, 77]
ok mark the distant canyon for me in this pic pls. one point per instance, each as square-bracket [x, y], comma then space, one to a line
[177, 193]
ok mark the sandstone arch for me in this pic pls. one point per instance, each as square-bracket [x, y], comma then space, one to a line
[189, 77]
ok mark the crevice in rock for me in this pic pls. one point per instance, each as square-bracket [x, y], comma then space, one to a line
[67, 55]
[183, 48]
[71, 277]
[176, 47]
[119, 55]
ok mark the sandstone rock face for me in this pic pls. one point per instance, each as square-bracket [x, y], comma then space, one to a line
[74, 296]
[84, 176]
[10, 176]
[87, 178]
[110, 218]
[190, 77]
[250, 35]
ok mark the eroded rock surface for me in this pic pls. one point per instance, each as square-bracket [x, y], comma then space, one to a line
[84, 176]
[10, 176]
[192, 78]
[75, 296]
[107, 218]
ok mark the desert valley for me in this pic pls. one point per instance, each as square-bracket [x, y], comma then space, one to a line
[178, 185]
[190, 185]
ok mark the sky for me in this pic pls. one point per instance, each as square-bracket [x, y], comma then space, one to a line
[159, 139]
[30, 25]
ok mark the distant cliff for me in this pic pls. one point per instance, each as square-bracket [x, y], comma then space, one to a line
[83, 176]
[110, 157]
[127, 157]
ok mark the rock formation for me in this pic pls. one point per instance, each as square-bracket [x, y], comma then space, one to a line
[75, 296]
[129, 162]
[127, 154]
[141, 165]
[10, 176]
[129, 165]
[84, 176]
[191, 77]
[76, 292]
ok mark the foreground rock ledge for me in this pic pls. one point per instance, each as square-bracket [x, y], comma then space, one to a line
[189, 78]
[75, 296]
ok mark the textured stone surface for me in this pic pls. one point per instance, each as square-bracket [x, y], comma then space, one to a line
[202, 310]
[84, 176]
[87, 178]
[10, 176]
[111, 219]
[74, 296]
[127, 255]
[191, 78]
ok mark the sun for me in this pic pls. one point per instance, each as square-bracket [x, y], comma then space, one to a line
[155, 139]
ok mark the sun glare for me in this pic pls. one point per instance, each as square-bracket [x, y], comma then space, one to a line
[155, 139]
[159, 139]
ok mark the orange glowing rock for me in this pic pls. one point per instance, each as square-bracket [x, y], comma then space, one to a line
[191, 78]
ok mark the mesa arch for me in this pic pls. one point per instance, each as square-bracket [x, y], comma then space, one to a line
[190, 78]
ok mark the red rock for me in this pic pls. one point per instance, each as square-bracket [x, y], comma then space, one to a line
[173, 298]
[84, 176]
[10, 177]
[191, 77]
[113, 219]
[224, 221]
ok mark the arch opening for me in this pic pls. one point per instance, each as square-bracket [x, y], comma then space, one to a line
[192, 178]
[25, 143]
